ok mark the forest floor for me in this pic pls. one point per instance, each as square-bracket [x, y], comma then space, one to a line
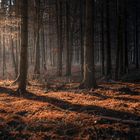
[110, 112]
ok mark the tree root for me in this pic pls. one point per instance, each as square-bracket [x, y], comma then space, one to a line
[17, 80]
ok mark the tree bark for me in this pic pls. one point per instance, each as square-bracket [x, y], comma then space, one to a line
[59, 37]
[89, 69]
[108, 43]
[24, 47]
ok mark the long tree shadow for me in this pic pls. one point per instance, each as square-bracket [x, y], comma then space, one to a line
[65, 105]
[100, 96]
[104, 97]
[127, 99]
[122, 90]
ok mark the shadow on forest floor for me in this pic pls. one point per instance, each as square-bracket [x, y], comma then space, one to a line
[104, 97]
[70, 129]
[122, 90]
[90, 109]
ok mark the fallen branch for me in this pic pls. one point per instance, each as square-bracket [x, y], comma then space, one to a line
[120, 120]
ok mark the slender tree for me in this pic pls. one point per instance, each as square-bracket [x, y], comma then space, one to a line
[59, 36]
[108, 42]
[136, 35]
[102, 38]
[37, 43]
[68, 44]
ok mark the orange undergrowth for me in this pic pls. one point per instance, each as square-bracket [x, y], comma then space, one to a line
[71, 114]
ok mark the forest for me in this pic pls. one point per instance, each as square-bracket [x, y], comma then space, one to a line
[69, 69]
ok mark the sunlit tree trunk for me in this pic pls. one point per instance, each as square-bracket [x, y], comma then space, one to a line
[13, 58]
[4, 56]
[13, 54]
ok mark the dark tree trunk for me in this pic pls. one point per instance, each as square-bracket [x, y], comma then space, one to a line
[82, 36]
[108, 43]
[89, 70]
[37, 46]
[136, 36]
[102, 38]
[24, 47]
[59, 37]
[126, 65]
[120, 55]
[68, 49]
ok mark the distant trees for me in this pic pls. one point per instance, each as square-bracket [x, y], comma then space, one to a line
[69, 38]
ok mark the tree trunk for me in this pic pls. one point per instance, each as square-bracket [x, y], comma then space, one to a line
[24, 47]
[89, 70]
[82, 36]
[136, 36]
[37, 41]
[102, 38]
[59, 37]
[68, 49]
[108, 43]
